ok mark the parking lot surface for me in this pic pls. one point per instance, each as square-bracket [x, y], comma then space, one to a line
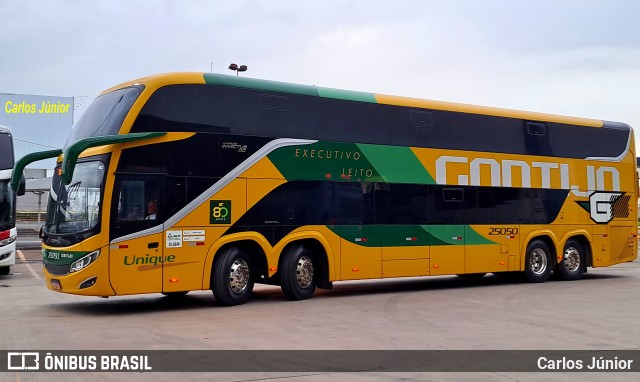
[599, 312]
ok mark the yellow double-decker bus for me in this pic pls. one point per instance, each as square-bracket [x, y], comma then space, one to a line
[193, 181]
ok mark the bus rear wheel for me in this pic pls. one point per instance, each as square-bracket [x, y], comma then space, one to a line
[538, 262]
[232, 277]
[572, 265]
[297, 273]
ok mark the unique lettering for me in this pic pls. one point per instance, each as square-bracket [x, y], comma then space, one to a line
[154, 260]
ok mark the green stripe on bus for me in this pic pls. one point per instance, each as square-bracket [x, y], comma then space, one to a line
[252, 83]
[396, 164]
[347, 95]
[350, 162]
[473, 238]
[385, 235]
[324, 161]
[408, 235]
[457, 234]
[59, 257]
[283, 87]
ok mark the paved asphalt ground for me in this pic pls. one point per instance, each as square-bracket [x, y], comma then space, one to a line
[599, 312]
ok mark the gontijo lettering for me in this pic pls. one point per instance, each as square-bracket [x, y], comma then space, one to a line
[499, 174]
[46, 107]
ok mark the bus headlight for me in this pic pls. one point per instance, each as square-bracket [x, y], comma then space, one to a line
[7, 241]
[84, 262]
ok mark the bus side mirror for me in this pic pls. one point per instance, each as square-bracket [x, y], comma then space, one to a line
[21, 186]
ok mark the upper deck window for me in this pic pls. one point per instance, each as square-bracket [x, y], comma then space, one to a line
[105, 115]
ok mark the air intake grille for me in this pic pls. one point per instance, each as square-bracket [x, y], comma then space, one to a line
[620, 248]
[620, 208]
[57, 269]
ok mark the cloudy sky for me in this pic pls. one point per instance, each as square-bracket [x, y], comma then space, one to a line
[573, 57]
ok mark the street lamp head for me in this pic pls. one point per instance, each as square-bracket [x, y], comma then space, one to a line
[238, 69]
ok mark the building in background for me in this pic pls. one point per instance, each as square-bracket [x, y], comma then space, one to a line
[37, 123]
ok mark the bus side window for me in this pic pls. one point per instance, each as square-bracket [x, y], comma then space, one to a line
[350, 203]
[175, 195]
[400, 204]
[131, 204]
[137, 206]
[452, 205]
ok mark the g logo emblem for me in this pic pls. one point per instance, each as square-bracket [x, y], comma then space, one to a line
[602, 206]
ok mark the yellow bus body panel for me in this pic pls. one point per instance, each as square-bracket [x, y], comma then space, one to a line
[70, 283]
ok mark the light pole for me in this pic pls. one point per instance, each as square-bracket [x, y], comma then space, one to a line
[238, 69]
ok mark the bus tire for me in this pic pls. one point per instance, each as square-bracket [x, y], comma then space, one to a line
[232, 277]
[538, 262]
[572, 265]
[5, 271]
[297, 272]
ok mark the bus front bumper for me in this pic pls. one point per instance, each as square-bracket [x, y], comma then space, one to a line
[90, 281]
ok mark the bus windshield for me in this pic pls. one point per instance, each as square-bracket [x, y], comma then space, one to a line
[7, 198]
[76, 207]
[105, 115]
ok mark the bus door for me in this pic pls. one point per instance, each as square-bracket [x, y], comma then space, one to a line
[135, 255]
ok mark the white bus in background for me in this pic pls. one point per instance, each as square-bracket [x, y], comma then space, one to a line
[8, 231]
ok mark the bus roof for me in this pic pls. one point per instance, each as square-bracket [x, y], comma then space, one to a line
[157, 81]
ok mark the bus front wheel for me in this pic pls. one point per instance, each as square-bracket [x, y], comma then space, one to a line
[538, 262]
[232, 277]
[572, 265]
[297, 272]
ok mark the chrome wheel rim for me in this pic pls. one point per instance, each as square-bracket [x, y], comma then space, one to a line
[239, 276]
[304, 271]
[571, 259]
[538, 261]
